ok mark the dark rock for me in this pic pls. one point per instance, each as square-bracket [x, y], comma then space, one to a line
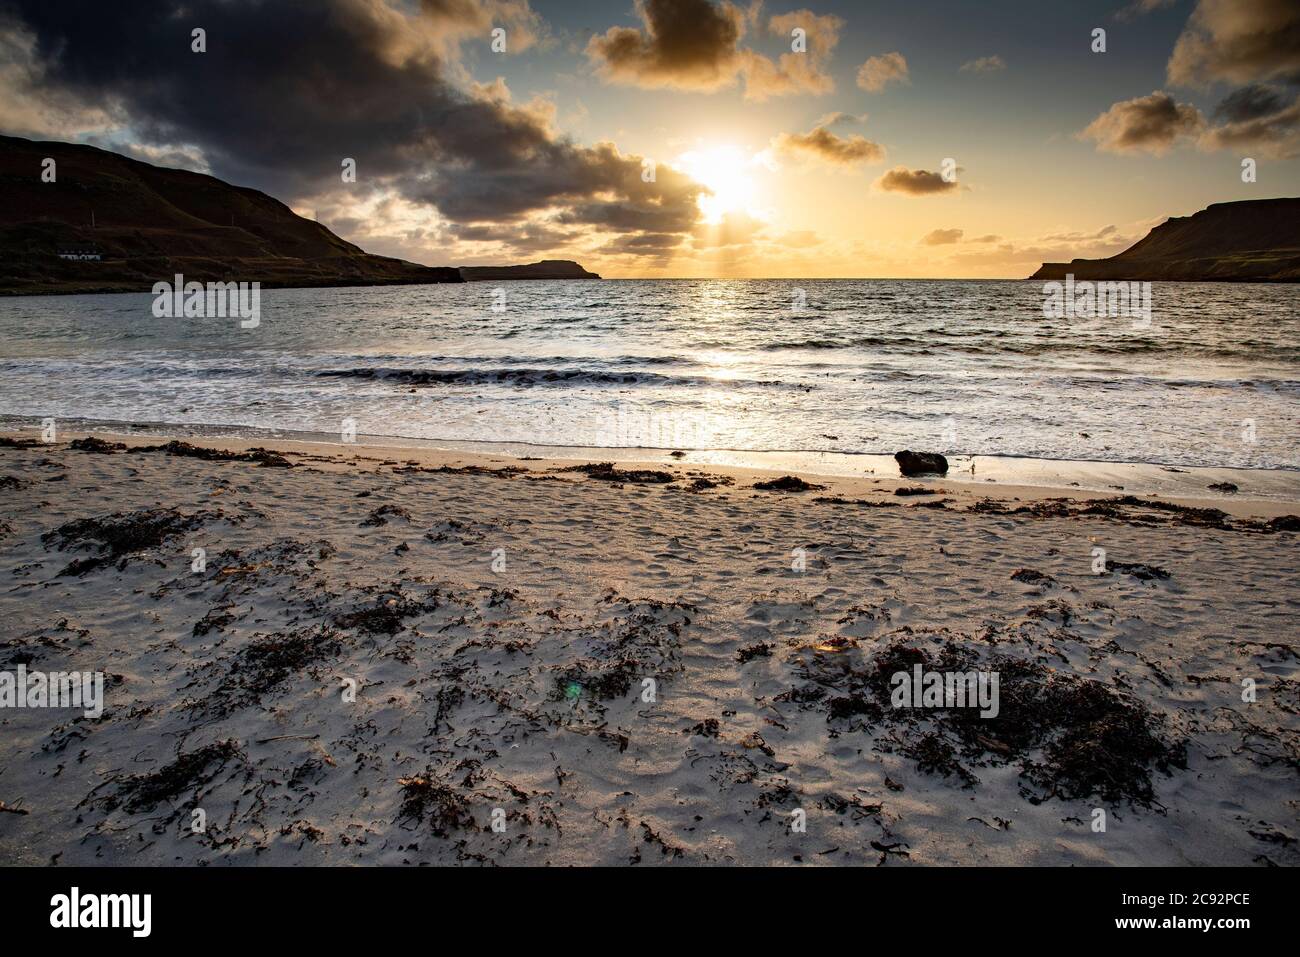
[920, 463]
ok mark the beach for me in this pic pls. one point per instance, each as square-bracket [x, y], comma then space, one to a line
[319, 653]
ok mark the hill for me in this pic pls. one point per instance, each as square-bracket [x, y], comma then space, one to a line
[546, 269]
[150, 223]
[1254, 240]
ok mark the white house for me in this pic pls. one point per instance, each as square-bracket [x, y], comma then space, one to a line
[80, 251]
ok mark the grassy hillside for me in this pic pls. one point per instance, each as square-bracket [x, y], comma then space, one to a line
[1249, 241]
[151, 222]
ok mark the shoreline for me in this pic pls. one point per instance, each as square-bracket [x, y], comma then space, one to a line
[1263, 493]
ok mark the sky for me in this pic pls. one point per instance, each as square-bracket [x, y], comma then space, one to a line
[688, 138]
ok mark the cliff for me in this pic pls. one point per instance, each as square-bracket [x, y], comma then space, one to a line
[1254, 240]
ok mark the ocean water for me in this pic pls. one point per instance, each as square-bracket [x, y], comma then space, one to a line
[871, 366]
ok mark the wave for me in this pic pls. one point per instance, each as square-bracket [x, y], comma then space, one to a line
[526, 377]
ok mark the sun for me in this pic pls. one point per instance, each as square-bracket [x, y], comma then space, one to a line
[727, 172]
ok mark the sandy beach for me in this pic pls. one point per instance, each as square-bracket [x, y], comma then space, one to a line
[414, 656]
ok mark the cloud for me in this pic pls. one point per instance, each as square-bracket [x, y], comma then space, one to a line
[695, 45]
[1261, 125]
[1257, 118]
[172, 156]
[821, 144]
[942, 237]
[1249, 103]
[879, 71]
[1147, 124]
[1029, 253]
[1142, 7]
[985, 64]
[1238, 41]
[30, 108]
[914, 182]
[283, 95]
[684, 44]
[530, 238]
[1077, 238]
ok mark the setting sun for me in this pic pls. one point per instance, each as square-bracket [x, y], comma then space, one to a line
[725, 171]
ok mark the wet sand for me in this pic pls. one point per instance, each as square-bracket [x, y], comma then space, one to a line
[640, 664]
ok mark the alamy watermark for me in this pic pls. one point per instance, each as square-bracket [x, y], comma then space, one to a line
[946, 689]
[53, 689]
[1098, 300]
[215, 300]
[133, 912]
[634, 427]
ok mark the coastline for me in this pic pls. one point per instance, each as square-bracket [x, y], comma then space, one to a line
[1262, 493]
[385, 652]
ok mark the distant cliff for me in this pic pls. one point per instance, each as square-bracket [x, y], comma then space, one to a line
[150, 223]
[546, 269]
[1254, 240]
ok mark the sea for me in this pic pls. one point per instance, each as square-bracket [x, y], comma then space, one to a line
[838, 368]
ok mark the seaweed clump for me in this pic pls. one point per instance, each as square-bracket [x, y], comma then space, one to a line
[258, 456]
[443, 806]
[1072, 737]
[787, 483]
[644, 641]
[383, 513]
[122, 534]
[189, 772]
[99, 446]
[606, 472]
[267, 662]
[387, 614]
[1138, 570]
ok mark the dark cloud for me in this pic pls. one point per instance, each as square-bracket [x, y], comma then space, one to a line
[1249, 103]
[1238, 41]
[690, 44]
[286, 91]
[821, 144]
[530, 238]
[1274, 134]
[1145, 124]
[696, 45]
[914, 182]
